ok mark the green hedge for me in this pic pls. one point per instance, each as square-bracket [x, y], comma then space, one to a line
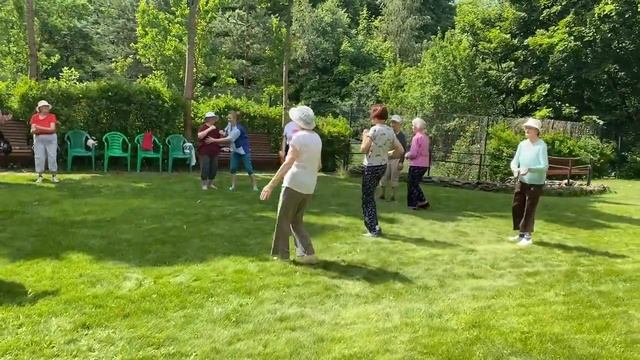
[100, 107]
[257, 118]
[132, 108]
[503, 142]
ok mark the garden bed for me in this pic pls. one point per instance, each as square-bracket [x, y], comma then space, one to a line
[553, 187]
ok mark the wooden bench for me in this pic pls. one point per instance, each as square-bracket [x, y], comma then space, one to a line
[569, 167]
[262, 155]
[17, 132]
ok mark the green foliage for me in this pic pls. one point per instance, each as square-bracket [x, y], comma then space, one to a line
[449, 79]
[631, 166]
[503, 141]
[257, 118]
[463, 154]
[501, 146]
[100, 107]
[588, 148]
[335, 133]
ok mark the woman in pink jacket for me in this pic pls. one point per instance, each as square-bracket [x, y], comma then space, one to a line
[419, 163]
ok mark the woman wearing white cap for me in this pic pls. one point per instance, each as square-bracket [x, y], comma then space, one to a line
[300, 173]
[529, 166]
[45, 140]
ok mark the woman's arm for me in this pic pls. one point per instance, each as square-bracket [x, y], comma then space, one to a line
[397, 151]
[367, 141]
[202, 134]
[515, 162]
[292, 156]
[416, 145]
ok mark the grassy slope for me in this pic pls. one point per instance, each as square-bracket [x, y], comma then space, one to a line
[150, 267]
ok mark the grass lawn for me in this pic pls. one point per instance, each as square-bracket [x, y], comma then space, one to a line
[150, 267]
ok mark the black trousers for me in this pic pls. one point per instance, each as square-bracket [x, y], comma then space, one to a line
[208, 167]
[415, 195]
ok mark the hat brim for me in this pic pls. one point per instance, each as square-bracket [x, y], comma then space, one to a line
[305, 126]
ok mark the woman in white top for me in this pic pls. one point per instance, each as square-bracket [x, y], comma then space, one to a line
[378, 144]
[300, 173]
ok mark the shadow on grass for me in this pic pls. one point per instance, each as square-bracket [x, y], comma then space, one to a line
[579, 249]
[418, 241]
[13, 293]
[360, 272]
[453, 205]
[140, 219]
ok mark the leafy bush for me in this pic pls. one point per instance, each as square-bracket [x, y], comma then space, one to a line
[503, 142]
[257, 118]
[631, 167]
[463, 155]
[100, 107]
[132, 108]
[335, 134]
[501, 147]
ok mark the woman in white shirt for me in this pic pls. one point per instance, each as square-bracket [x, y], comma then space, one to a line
[300, 173]
[377, 143]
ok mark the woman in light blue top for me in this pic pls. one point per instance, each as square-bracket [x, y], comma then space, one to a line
[529, 166]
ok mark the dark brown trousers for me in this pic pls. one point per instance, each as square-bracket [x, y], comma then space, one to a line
[525, 202]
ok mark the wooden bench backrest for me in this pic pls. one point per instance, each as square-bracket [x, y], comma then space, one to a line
[563, 161]
[17, 133]
[260, 143]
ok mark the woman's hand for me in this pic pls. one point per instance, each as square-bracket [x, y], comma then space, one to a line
[266, 192]
[209, 141]
[524, 171]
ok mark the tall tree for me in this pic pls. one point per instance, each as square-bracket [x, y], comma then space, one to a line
[286, 60]
[31, 39]
[190, 65]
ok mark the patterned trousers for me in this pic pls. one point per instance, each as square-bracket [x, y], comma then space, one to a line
[370, 180]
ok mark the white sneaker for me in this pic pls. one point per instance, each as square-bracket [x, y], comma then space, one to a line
[213, 186]
[54, 179]
[307, 259]
[525, 242]
[232, 189]
[205, 188]
[39, 180]
[255, 188]
[515, 238]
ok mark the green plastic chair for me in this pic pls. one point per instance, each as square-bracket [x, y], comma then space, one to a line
[149, 154]
[176, 150]
[77, 147]
[113, 147]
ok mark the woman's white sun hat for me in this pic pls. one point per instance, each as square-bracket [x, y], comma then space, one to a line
[42, 103]
[303, 116]
[533, 123]
[210, 114]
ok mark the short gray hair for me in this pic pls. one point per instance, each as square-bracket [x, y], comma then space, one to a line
[419, 123]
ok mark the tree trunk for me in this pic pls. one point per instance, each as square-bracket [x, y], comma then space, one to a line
[190, 67]
[31, 40]
[285, 64]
